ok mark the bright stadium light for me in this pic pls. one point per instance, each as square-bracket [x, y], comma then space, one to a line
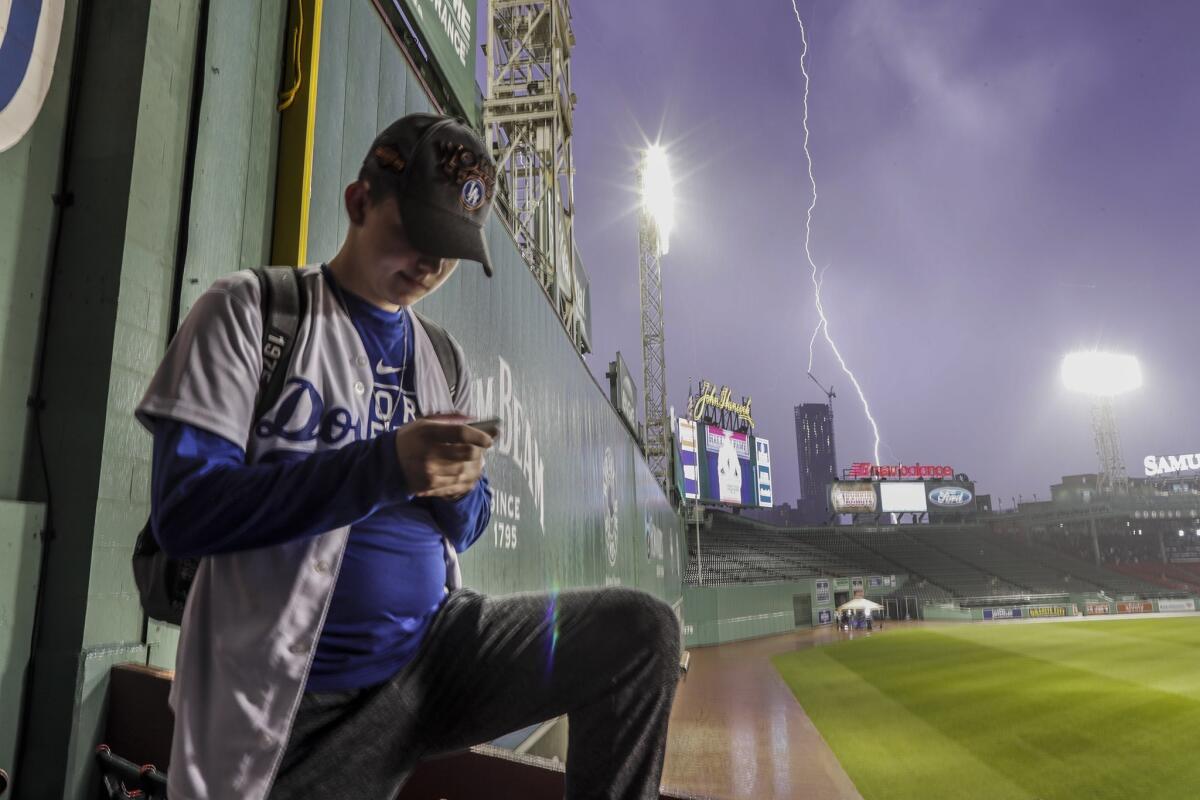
[658, 194]
[1103, 376]
[1100, 374]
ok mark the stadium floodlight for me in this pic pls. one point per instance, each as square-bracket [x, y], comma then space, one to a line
[1103, 376]
[1098, 374]
[658, 195]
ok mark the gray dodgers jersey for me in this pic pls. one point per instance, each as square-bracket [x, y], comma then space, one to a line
[253, 618]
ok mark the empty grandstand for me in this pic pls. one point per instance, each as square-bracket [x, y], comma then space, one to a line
[967, 564]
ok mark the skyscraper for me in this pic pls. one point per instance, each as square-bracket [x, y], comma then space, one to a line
[817, 457]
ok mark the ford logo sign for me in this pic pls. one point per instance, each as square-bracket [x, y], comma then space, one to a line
[950, 496]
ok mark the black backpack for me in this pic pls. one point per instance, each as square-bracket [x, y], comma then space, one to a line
[163, 582]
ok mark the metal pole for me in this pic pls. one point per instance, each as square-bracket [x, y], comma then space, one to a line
[699, 561]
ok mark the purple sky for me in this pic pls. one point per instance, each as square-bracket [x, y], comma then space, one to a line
[999, 183]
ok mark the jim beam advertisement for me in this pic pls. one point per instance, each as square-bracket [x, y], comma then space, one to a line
[716, 406]
[853, 497]
[622, 392]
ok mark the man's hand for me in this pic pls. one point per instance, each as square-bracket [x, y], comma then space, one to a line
[441, 457]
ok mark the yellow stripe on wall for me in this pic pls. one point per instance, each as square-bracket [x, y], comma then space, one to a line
[297, 126]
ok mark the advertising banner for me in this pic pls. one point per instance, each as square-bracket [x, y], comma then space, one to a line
[689, 459]
[950, 496]
[622, 392]
[825, 616]
[901, 498]
[762, 466]
[822, 592]
[447, 29]
[1135, 607]
[853, 497]
[856, 585]
[1002, 613]
[1097, 608]
[875, 581]
[730, 472]
[1176, 605]
[1034, 612]
[1170, 465]
[841, 584]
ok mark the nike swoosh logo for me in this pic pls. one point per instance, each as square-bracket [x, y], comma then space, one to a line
[385, 370]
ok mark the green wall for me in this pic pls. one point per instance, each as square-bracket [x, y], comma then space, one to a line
[109, 322]
[28, 176]
[20, 554]
[558, 521]
[719, 614]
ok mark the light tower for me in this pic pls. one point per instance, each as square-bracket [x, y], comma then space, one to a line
[528, 117]
[1103, 376]
[655, 221]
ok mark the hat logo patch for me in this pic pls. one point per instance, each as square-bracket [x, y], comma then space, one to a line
[472, 195]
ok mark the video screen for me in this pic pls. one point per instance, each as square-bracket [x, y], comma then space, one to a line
[902, 497]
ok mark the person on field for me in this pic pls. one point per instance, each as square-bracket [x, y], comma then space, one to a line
[327, 645]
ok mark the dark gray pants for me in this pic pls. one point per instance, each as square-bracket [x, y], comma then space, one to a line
[609, 658]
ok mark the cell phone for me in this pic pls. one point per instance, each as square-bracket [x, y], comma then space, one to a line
[489, 426]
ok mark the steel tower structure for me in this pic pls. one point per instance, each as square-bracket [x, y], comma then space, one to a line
[528, 120]
[1113, 478]
[654, 359]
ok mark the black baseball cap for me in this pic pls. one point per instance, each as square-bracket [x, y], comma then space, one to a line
[443, 180]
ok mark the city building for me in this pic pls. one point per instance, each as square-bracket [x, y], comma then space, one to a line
[817, 457]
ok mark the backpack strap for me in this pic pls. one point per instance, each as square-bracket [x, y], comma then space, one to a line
[284, 304]
[447, 355]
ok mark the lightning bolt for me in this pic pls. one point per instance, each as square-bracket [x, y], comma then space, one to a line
[823, 323]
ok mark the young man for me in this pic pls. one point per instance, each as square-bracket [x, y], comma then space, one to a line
[326, 646]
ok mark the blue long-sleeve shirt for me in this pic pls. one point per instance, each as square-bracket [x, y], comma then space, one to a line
[207, 500]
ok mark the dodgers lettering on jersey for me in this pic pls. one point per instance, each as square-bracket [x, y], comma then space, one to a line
[302, 414]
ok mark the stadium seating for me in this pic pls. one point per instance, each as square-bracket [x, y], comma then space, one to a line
[1010, 562]
[966, 563]
[1169, 576]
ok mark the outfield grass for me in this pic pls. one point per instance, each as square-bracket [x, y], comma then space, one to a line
[1069, 711]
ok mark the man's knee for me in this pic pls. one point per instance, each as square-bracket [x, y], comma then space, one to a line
[650, 624]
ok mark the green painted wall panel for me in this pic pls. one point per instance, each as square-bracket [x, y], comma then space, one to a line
[20, 556]
[325, 203]
[143, 299]
[721, 614]
[91, 670]
[28, 176]
[229, 215]
[361, 113]
[262, 147]
[393, 82]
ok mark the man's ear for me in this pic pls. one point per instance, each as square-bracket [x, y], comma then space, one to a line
[356, 202]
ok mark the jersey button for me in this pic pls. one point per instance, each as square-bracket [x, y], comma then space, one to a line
[321, 567]
[361, 361]
[298, 648]
[359, 388]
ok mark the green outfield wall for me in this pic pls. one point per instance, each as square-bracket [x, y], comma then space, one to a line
[716, 615]
[575, 504]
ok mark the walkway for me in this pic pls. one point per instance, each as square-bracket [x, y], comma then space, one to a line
[737, 731]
